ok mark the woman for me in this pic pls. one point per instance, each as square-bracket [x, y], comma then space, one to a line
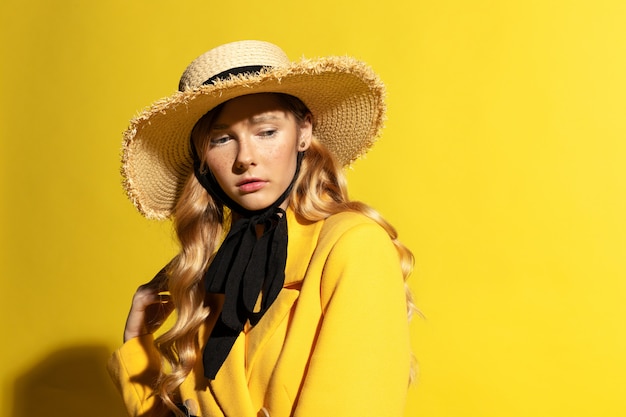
[289, 299]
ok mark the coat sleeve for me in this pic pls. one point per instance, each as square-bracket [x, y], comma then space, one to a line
[134, 368]
[360, 363]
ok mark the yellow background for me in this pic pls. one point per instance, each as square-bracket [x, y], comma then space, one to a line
[502, 165]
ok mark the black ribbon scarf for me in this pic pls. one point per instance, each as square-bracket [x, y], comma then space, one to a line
[248, 269]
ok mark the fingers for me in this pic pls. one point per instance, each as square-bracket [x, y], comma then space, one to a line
[146, 296]
[158, 282]
[151, 305]
[156, 313]
[154, 291]
[148, 312]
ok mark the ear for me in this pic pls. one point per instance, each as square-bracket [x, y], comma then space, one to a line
[306, 133]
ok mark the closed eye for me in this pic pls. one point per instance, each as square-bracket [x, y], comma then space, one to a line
[220, 140]
[268, 133]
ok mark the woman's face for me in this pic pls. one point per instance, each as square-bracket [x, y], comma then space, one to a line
[253, 146]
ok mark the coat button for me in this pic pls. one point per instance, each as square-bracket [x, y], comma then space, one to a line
[263, 413]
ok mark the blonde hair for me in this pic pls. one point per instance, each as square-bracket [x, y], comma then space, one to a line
[319, 192]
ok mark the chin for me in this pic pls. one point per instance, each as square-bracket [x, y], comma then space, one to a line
[255, 205]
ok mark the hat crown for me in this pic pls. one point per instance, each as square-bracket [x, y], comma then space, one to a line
[344, 95]
[231, 56]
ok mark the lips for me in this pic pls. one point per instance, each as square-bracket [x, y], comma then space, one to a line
[249, 185]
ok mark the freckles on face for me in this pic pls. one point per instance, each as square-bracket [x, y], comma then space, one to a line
[252, 150]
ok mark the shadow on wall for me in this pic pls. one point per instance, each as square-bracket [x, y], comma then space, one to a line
[70, 382]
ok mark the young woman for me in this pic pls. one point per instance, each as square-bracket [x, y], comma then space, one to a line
[289, 299]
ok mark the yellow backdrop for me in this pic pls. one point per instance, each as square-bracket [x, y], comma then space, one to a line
[502, 165]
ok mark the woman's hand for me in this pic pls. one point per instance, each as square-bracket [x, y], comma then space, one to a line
[150, 307]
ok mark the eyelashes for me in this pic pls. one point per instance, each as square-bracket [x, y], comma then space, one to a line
[223, 139]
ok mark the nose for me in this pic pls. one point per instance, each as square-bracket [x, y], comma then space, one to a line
[245, 155]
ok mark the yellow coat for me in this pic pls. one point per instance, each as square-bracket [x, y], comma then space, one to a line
[334, 343]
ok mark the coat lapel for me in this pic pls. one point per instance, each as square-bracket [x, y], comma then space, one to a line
[231, 386]
[302, 238]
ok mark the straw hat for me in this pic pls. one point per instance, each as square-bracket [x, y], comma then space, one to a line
[344, 95]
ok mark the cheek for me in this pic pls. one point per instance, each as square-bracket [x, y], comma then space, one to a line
[219, 163]
[285, 158]
[284, 154]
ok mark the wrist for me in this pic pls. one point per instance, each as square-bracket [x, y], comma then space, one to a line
[128, 334]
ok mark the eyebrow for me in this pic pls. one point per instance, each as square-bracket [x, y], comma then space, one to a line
[253, 120]
[263, 118]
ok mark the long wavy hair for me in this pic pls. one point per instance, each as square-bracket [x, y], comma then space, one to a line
[200, 223]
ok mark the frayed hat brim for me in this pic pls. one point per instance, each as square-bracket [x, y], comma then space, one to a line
[344, 95]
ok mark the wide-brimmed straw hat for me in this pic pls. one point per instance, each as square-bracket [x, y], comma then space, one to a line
[344, 95]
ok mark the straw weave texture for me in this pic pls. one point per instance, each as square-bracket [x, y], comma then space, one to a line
[344, 95]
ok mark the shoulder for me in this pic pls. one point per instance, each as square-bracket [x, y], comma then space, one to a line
[347, 225]
[352, 237]
[360, 258]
